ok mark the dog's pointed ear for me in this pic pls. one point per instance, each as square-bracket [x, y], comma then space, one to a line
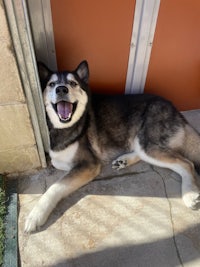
[83, 71]
[44, 73]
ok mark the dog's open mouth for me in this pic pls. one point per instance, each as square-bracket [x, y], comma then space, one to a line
[65, 110]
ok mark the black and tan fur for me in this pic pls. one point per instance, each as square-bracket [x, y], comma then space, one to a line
[87, 131]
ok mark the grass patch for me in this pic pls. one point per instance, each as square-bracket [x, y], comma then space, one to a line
[2, 214]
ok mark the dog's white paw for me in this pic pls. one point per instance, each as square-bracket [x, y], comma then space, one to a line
[119, 164]
[191, 199]
[35, 219]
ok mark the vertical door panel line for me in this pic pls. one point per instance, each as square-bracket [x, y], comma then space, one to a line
[144, 25]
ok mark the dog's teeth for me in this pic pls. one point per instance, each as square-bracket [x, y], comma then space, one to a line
[65, 119]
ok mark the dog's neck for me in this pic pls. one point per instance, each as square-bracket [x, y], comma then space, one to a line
[62, 138]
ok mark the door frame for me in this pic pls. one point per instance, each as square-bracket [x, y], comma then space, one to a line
[144, 25]
[20, 30]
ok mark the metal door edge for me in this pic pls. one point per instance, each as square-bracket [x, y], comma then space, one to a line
[144, 24]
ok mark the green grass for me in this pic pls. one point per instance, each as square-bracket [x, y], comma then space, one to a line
[2, 213]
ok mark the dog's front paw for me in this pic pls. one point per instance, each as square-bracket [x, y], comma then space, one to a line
[119, 164]
[192, 199]
[35, 219]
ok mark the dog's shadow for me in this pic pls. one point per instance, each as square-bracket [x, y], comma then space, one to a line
[140, 180]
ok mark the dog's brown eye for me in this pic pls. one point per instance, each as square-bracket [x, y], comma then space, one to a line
[73, 83]
[52, 84]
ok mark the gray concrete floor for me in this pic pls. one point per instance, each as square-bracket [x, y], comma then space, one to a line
[133, 217]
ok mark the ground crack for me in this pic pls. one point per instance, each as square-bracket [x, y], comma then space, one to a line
[115, 176]
[170, 214]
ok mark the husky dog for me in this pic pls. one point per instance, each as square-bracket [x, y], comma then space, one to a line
[88, 130]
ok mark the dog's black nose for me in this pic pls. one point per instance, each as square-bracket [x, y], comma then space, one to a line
[61, 90]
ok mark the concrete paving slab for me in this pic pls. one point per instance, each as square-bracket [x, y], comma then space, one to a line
[133, 217]
[185, 222]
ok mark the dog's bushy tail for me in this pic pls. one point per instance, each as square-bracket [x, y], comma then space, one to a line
[192, 147]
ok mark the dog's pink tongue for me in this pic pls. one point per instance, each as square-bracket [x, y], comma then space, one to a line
[64, 109]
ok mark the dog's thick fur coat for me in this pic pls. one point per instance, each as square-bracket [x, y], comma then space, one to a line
[88, 130]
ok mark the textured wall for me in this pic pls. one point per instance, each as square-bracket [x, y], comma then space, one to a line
[18, 151]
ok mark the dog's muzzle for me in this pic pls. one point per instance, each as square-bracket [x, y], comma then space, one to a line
[63, 107]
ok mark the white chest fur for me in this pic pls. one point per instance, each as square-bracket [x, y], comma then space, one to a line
[63, 160]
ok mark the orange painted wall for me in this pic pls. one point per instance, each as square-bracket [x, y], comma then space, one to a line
[174, 70]
[99, 31]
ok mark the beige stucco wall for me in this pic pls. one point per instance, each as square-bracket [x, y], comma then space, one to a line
[18, 151]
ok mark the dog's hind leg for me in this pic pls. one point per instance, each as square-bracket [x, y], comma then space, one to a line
[125, 161]
[182, 166]
[77, 178]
